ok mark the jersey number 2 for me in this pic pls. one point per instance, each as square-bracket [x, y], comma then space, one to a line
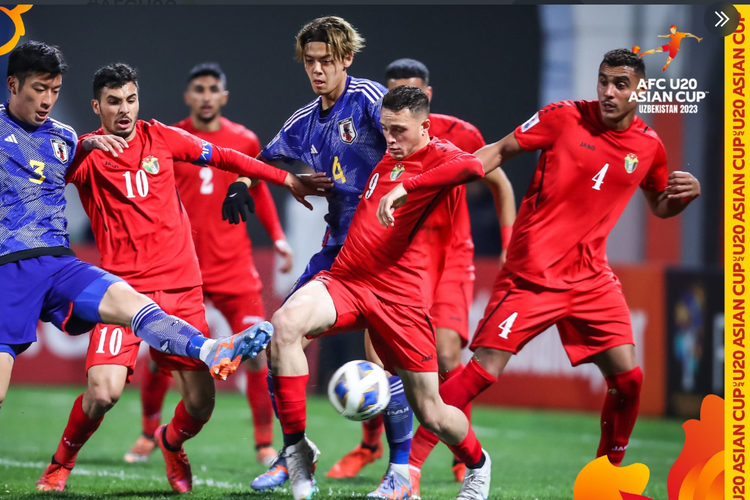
[207, 175]
[599, 178]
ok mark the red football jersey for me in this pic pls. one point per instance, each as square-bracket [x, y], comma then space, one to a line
[468, 138]
[402, 263]
[224, 250]
[140, 225]
[585, 177]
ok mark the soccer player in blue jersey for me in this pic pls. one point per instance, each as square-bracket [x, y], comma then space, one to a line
[339, 136]
[40, 276]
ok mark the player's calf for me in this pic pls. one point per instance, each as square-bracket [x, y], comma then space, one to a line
[105, 386]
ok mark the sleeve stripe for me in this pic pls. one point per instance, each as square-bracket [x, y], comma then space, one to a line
[298, 118]
[369, 96]
[297, 113]
[62, 125]
[377, 90]
[368, 89]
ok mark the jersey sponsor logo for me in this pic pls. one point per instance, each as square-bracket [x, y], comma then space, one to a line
[631, 162]
[588, 146]
[60, 150]
[425, 359]
[530, 122]
[397, 171]
[11, 138]
[150, 164]
[347, 132]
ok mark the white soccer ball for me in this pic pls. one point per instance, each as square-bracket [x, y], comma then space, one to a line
[359, 390]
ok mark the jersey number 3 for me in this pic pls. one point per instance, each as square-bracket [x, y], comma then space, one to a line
[38, 169]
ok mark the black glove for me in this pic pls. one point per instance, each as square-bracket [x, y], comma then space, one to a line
[238, 203]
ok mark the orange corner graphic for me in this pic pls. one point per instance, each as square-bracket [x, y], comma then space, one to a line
[698, 473]
[20, 30]
[600, 480]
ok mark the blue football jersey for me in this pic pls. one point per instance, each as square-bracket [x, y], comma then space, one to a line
[346, 145]
[32, 185]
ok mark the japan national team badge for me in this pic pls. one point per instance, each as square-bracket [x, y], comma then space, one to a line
[150, 165]
[347, 132]
[631, 161]
[397, 171]
[60, 149]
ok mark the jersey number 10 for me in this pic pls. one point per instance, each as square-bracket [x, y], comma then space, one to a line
[141, 183]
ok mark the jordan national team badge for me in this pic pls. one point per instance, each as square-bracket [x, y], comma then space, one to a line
[397, 171]
[631, 161]
[347, 132]
[150, 165]
[60, 149]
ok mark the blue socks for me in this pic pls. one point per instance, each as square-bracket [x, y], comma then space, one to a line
[167, 333]
[269, 382]
[398, 418]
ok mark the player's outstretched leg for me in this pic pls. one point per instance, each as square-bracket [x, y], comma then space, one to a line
[154, 386]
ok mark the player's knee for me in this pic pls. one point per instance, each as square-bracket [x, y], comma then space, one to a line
[104, 398]
[448, 358]
[287, 327]
[428, 415]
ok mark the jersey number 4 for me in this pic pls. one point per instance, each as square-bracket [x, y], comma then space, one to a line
[338, 172]
[506, 325]
[599, 178]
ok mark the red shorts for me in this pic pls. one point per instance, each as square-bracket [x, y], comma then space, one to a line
[240, 310]
[402, 336]
[451, 307]
[668, 48]
[117, 345]
[591, 318]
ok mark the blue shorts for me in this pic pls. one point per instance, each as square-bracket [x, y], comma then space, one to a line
[321, 261]
[60, 289]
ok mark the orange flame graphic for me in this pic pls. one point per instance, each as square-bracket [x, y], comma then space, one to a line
[698, 473]
[600, 480]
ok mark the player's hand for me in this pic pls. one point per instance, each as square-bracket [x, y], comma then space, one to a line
[390, 202]
[282, 248]
[699, 39]
[317, 181]
[112, 144]
[682, 185]
[238, 204]
[311, 186]
[501, 259]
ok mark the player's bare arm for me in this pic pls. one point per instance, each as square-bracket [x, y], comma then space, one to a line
[112, 144]
[395, 198]
[690, 35]
[505, 205]
[682, 188]
[493, 155]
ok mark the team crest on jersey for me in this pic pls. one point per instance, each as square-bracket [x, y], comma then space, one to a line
[347, 132]
[150, 164]
[60, 150]
[397, 171]
[631, 161]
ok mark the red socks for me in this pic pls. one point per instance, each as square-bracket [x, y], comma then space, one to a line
[619, 413]
[153, 390]
[459, 390]
[371, 431]
[444, 377]
[260, 405]
[79, 429]
[291, 403]
[468, 451]
[182, 427]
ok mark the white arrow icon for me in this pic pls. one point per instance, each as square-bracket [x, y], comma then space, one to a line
[723, 19]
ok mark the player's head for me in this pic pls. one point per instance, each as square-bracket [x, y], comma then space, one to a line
[116, 99]
[404, 118]
[673, 29]
[206, 91]
[619, 74]
[408, 72]
[35, 72]
[326, 46]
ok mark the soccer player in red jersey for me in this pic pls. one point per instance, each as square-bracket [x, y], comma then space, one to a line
[595, 154]
[230, 280]
[143, 235]
[384, 279]
[673, 46]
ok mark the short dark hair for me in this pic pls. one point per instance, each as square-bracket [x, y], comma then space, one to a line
[207, 69]
[114, 76]
[407, 96]
[35, 57]
[407, 68]
[625, 57]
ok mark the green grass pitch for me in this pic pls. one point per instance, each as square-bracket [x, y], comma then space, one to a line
[535, 455]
